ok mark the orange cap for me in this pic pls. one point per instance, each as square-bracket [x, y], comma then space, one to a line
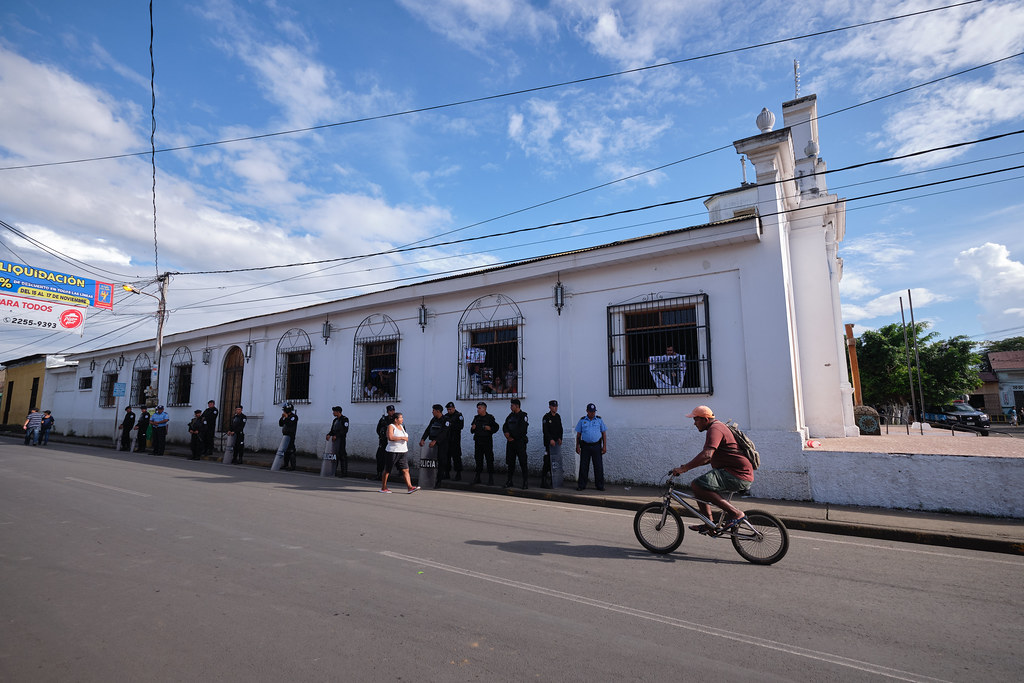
[701, 411]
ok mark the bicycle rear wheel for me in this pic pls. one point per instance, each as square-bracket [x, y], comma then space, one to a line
[768, 545]
[658, 527]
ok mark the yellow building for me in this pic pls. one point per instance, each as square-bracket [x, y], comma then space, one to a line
[23, 386]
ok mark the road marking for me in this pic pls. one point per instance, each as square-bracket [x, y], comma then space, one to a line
[907, 550]
[868, 667]
[108, 487]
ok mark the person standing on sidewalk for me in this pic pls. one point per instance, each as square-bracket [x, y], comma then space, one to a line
[382, 437]
[338, 436]
[551, 425]
[455, 425]
[483, 428]
[591, 445]
[209, 426]
[195, 433]
[31, 427]
[289, 423]
[160, 421]
[396, 449]
[437, 432]
[44, 428]
[516, 425]
[126, 429]
[236, 428]
[142, 428]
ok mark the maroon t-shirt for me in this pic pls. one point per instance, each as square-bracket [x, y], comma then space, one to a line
[727, 454]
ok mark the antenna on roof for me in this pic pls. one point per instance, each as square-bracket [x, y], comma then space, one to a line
[796, 78]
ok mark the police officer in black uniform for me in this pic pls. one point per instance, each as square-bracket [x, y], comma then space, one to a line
[551, 426]
[141, 428]
[289, 423]
[126, 429]
[209, 427]
[457, 422]
[437, 431]
[382, 438]
[514, 429]
[236, 428]
[483, 427]
[195, 431]
[339, 434]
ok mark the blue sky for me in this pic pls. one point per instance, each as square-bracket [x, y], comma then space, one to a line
[74, 84]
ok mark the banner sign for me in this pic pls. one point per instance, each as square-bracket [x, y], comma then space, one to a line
[61, 288]
[32, 314]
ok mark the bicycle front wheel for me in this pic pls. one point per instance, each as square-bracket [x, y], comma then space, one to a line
[658, 527]
[767, 545]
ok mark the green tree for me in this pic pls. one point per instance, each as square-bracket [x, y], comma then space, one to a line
[949, 367]
[1008, 344]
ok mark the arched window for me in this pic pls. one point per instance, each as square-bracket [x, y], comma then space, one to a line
[107, 398]
[179, 386]
[142, 373]
[491, 349]
[375, 360]
[291, 379]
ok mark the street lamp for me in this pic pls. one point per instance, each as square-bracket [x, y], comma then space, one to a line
[161, 313]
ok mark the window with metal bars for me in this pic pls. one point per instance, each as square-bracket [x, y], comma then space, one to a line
[85, 383]
[659, 346]
[142, 373]
[375, 360]
[291, 380]
[179, 384]
[491, 349]
[107, 382]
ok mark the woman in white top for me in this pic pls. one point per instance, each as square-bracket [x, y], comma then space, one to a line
[394, 454]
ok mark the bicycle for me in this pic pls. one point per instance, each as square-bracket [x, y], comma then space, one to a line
[759, 537]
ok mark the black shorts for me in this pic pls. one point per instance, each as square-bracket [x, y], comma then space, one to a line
[391, 459]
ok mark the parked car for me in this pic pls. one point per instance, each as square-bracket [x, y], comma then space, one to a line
[961, 414]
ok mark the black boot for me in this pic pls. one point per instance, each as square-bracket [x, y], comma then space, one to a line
[526, 484]
[476, 479]
[508, 484]
[490, 480]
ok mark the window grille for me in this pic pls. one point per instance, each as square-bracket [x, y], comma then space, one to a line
[85, 383]
[491, 359]
[375, 360]
[109, 378]
[179, 384]
[291, 379]
[659, 346]
[142, 372]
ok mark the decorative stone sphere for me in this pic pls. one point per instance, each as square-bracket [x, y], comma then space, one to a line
[765, 120]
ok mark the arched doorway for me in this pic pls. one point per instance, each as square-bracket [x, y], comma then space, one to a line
[231, 386]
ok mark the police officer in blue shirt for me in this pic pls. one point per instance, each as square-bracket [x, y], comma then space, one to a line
[591, 444]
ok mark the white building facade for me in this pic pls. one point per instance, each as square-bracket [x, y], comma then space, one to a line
[748, 303]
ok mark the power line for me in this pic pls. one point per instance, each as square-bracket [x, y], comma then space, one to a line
[486, 98]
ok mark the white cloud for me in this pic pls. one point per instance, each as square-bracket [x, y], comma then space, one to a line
[889, 304]
[879, 250]
[856, 286]
[479, 25]
[999, 282]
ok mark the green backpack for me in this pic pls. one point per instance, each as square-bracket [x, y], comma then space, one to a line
[747, 447]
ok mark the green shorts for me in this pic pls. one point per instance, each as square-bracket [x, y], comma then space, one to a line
[722, 480]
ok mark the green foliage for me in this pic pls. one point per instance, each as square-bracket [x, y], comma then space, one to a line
[949, 367]
[1008, 344]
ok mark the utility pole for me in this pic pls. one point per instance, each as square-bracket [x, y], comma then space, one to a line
[161, 313]
[851, 344]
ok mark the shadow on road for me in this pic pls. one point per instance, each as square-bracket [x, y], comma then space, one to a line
[567, 549]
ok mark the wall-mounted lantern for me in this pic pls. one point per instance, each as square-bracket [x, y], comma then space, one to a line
[326, 330]
[248, 351]
[92, 365]
[120, 361]
[423, 317]
[559, 296]
[207, 353]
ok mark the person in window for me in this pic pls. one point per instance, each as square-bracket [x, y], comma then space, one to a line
[668, 370]
[497, 385]
[511, 379]
[369, 390]
[126, 429]
[475, 385]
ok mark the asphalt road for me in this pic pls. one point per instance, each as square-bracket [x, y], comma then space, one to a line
[117, 567]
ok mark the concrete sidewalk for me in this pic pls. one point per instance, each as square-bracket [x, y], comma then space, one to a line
[948, 530]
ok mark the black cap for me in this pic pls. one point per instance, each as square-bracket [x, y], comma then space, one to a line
[159, 407]
[449, 404]
[389, 408]
[591, 406]
[199, 412]
[481, 403]
[553, 402]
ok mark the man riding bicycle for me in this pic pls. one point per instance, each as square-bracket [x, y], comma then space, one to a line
[730, 469]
